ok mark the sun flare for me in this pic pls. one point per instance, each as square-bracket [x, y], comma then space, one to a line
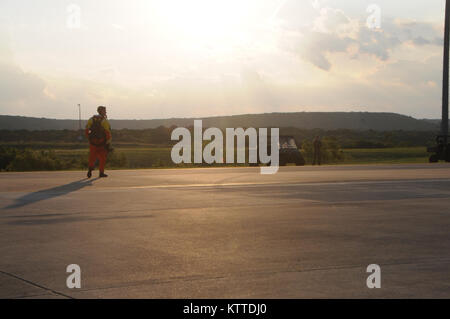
[212, 23]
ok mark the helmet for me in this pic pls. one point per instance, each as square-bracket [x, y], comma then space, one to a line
[101, 108]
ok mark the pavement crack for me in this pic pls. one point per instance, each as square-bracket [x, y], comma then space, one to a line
[266, 272]
[35, 284]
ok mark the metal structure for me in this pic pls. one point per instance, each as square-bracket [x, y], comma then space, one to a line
[80, 137]
[442, 149]
[444, 125]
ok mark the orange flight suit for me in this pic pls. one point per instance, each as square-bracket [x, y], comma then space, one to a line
[97, 148]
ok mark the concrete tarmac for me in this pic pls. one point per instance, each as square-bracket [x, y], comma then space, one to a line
[306, 232]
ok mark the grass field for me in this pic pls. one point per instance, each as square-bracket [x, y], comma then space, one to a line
[65, 156]
[137, 157]
[386, 155]
[145, 157]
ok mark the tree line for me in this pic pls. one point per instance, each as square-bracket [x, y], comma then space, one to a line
[161, 136]
[24, 150]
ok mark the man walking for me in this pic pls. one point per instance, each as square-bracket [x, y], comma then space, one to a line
[98, 132]
[317, 143]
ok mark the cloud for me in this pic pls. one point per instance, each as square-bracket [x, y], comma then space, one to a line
[329, 61]
[5, 49]
[313, 46]
[19, 90]
[331, 31]
[16, 85]
[409, 74]
[421, 41]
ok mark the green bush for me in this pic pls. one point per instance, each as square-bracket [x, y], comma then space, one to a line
[29, 160]
[7, 155]
[117, 160]
[331, 151]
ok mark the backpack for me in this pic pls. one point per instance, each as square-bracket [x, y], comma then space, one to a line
[97, 134]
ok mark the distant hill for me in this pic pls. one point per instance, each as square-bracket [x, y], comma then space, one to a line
[303, 120]
[435, 121]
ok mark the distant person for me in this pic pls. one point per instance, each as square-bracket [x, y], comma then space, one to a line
[98, 132]
[317, 144]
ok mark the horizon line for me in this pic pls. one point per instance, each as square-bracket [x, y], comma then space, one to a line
[217, 116]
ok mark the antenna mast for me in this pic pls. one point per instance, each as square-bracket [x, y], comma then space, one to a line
[444, 124]
[79, 123]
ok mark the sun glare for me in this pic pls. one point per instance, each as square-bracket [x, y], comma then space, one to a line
[199, 23]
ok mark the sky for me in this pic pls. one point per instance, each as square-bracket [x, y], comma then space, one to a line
[147, 59]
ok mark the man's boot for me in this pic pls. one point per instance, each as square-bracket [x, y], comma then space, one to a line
[102, 174]
[89, 173]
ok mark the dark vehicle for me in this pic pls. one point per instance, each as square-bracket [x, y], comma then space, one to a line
[289, 152]
[441, 151]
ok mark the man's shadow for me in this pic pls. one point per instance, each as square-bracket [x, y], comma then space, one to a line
[50, 193]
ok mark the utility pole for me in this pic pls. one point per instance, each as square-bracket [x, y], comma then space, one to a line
[79, 123]
[442, 149]
[444, 124]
